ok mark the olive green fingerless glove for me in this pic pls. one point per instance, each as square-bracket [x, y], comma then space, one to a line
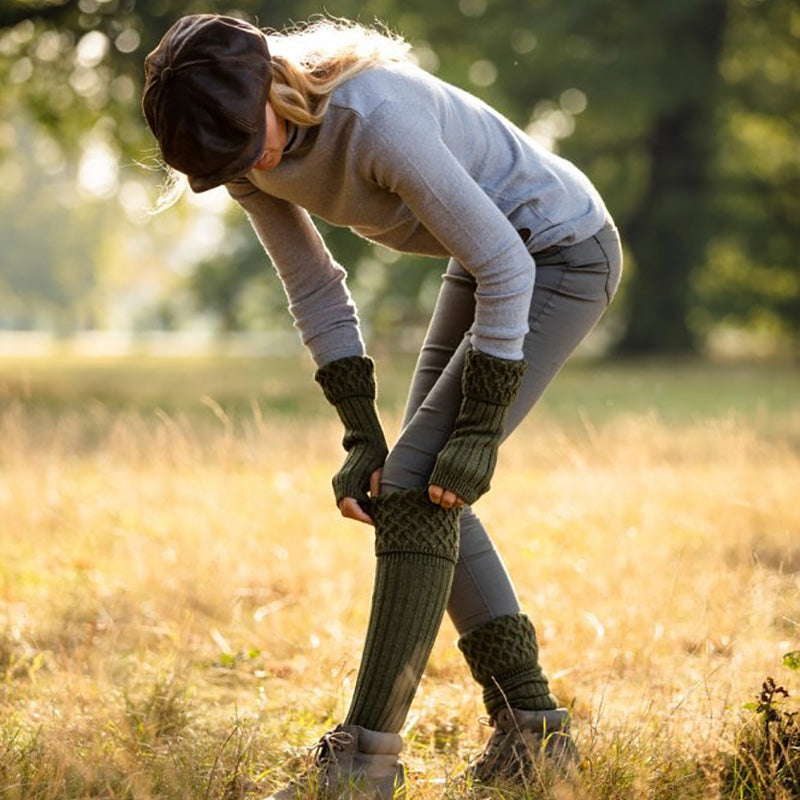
[349, 385]
[466, 462]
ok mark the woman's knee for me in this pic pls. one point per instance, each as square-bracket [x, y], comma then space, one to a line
[405, 468]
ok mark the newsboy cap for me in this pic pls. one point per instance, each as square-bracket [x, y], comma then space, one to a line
[205, 95]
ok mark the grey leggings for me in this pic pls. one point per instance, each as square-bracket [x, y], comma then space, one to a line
[574, 285]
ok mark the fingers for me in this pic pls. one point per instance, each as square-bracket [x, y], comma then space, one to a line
[375, 482]
[444, 497]
[350, 508]
[435, 494]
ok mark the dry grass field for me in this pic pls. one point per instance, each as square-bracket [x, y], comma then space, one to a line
[182, 610]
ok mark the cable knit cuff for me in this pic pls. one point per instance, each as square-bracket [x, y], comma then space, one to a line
[500, 647]
[407, 522]
[353, 376]
[503, 657]
[489, 379]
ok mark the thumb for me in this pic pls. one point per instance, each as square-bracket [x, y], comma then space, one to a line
[375, 482]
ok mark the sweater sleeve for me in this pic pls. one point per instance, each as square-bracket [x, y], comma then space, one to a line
[455, 209]
[315, 284]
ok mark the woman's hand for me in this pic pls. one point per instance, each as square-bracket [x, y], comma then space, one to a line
[444, 497]
[349, 505]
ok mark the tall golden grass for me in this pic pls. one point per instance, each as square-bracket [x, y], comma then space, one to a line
[182, 610]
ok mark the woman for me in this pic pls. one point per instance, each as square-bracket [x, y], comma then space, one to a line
[334, 120]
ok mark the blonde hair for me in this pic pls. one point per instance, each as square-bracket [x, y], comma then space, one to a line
[309, 61]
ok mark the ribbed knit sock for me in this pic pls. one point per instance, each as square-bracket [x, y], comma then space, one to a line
[416, 543]
[503, 655]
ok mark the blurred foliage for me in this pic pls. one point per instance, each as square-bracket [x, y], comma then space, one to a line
[761, 395]
[684, 114]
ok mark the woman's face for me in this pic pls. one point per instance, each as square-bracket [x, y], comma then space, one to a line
[274, 143]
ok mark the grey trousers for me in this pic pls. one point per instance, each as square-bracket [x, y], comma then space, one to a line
[573, 287]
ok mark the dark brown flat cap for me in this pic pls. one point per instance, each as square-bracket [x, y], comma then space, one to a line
[205, 96]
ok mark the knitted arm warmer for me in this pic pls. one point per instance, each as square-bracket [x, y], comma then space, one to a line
[349, 385]
[466, 462]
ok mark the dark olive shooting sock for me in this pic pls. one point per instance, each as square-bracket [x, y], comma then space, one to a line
[503, 656]
[416, 544]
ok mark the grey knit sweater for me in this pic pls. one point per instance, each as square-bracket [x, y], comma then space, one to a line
[409, 161]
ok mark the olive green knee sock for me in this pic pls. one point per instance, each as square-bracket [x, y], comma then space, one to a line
[416, 543]
[503, 656]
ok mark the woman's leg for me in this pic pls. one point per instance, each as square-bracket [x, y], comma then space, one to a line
[492, 594]
[573, 287]
[416, 546]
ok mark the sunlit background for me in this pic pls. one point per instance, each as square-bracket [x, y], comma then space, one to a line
[684, 115]
[181, 607]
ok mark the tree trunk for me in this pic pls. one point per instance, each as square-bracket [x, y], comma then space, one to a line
[669, 232]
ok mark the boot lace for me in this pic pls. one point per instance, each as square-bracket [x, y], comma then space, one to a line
[326, 748]
[507, 754]
[493, 747]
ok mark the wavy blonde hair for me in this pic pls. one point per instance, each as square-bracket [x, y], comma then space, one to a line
[309, 61]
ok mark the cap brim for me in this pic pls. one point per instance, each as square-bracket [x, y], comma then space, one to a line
[237, 167]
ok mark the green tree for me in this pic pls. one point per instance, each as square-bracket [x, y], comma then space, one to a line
[752, 275]
[687, 132]
[683, 113]
[49, 273]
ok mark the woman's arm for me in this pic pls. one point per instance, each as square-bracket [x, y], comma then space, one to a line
[458, 212]
[326, 317]
[409, 157]
[315, 283]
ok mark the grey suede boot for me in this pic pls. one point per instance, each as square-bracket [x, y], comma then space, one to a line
[522, 744]
[351, 762]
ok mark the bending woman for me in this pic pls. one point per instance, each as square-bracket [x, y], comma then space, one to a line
[333, 119]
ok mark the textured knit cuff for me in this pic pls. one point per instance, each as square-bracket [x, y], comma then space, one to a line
[349, 385]
[466, 463]
[489, 379]
[353, 376]
[500, 647]
[407, 522]
[503, 656]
